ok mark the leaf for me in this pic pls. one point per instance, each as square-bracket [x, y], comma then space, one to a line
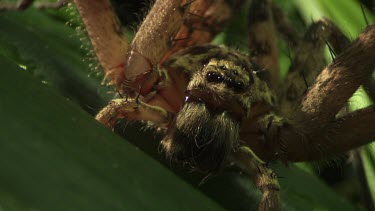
[368, 157]
[51, 52]
[53, 156]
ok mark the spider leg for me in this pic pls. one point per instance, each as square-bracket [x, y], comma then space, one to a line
[312, 131]
[150, 44]
[283, 26]
[134, 68]
[183, 24]
[262, 39]
[153, 39]
[205, 19]
[350, 131]
[109, 42]
[263, 177]
[133, 109]
[309, 61]
[337, 82]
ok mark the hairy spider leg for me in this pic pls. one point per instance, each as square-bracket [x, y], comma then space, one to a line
[263, 177]
[107, 38]
[308, 62]
[313, 131]
[204, 21]
[131, 109]
[262, 39]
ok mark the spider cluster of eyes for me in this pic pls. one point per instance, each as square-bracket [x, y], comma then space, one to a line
[227, 79]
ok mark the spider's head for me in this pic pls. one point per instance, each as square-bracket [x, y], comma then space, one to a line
[207, 127]
[223, 85]
[225, 76]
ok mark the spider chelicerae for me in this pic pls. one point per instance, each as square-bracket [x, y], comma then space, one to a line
[216, 105]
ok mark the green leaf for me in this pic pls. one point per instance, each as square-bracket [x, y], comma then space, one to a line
[51, 52]
[53, 156]
[368, 158]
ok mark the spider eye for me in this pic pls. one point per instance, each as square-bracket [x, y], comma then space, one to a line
[214, 77]
[237, 86]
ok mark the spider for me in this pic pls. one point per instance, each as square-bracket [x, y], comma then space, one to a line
[215, 105]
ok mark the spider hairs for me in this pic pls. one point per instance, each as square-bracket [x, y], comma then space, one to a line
[223, 87]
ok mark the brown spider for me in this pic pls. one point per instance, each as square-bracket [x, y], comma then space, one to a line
[216, 105]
